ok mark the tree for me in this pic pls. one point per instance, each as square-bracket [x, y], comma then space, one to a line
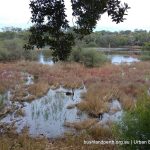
[52, 28]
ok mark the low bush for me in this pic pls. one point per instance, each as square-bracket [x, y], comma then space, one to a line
[13, 50]
[4, 54]
[135, 125]
[145, 56]
[88, 57]
[146, 51]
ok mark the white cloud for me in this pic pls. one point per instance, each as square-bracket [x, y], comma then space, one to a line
[137, 18]
[14, 12]
[17, 13]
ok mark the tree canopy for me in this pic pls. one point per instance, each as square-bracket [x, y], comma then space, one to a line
[51, 26]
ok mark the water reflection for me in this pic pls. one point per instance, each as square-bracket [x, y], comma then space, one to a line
[114, 114]
[44, 60]
[115, 59]
[46, 115]
[118, 59]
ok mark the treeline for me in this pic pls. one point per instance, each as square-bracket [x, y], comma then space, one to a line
[115, 39]
[13, 39]
[9, 33]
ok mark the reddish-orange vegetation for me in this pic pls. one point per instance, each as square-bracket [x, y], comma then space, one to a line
[122, 82]
[103, 84]
[9, 76]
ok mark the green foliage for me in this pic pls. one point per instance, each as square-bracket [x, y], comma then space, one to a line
[51, 26]
[12, 41]
[136, 124]
[11, 50]
[4, 54]
[115, 39]
[30, 54]
[145, 56]
[146, 46]
[89, 57]
[146, 51]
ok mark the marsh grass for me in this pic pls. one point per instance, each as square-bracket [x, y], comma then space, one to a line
[96, 100]
[22, 141]
[38, 89]
[67, 143]
[82, 124]
[20, 112]
[103, 84]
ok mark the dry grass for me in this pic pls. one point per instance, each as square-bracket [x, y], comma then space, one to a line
[14, 141]
[20, 112]
[38, 89]
[82, 124]
[123, 82]
[71, 106]
[103, 83]
[21, 142]
[9, 77]
[97, 98]
[98, 132]
[29, 92]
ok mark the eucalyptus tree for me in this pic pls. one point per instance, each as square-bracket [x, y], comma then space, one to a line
[51, 26]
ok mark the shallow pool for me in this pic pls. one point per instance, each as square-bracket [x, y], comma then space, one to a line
[46, 116]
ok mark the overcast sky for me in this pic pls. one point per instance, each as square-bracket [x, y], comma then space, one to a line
[17, 13]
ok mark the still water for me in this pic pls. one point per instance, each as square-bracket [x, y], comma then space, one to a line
[46, 115]
[45, 61]
[115, 59]
[119, 59]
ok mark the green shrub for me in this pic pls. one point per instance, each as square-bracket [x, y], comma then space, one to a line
[136, 124]
[4, 54]
[76, 55]
[47, 53]
[13, 50]
[145, 56]
[146, 46]
[89, 57]
[146, 51]
[30, 55]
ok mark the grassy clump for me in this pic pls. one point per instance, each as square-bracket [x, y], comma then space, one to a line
[82, 124]
[96, 100]
[89, 57]
[38, 89]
